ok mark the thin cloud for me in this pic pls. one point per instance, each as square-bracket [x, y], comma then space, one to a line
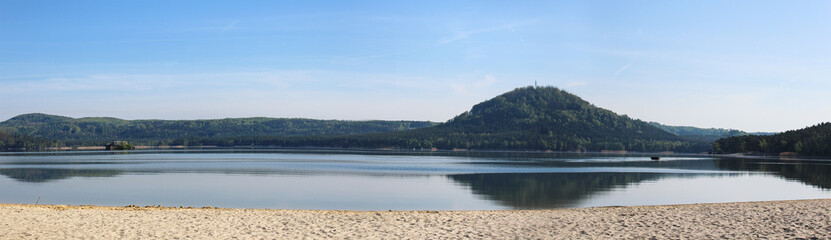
[467, 34]
[367, 58]
[471, 89]
[575, 84]
[229, 26]
[253, 80]
[621, 69]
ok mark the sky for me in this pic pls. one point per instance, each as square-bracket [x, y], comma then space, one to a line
[748, 65]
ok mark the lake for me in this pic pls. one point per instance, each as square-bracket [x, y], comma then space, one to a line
[378, 180]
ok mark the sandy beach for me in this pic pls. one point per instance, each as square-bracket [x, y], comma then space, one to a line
[749, 220]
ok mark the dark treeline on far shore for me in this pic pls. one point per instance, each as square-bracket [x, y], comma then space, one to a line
[810, 141]
[528, 118]
[14, 142]
[436, 140]
[97, 130]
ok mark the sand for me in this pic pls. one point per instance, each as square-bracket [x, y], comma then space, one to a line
[750, 220]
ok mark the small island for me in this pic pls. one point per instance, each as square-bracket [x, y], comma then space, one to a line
[119, 145]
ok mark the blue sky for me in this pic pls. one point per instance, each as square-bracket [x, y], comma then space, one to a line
[750, 65]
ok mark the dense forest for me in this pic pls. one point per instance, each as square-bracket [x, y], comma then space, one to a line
[16, 141]
[694, 131]
[530, 118]
[700, 134]
[96, 131]
[705, 134]
[811, 141]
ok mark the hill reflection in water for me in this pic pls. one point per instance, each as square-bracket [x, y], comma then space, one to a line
[809, 171]
[546, 190]
[558, 190]
[38, 175]
[492, 180]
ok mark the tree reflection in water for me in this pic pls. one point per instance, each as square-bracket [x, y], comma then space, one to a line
[37, 175]
[557, 190]
[546, 190]
[809, 171]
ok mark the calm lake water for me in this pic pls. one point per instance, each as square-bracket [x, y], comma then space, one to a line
[301, 179]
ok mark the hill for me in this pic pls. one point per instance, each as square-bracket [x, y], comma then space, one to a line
[700, 134]
[547, 118]
[694, 131]
[100, 130]
[10, 142]
[705, 134]
[810, 141]
[529, 118]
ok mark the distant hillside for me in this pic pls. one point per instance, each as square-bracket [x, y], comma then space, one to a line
[16, 141]
[99, 130]
[699, 134]
[550, 118]
[705, 134]
[694, 131]
[810, 141]
[529, 118]
[763, 133]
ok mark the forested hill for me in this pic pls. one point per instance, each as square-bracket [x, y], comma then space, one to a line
[552, 119]
[100, 130]
[17, 142]
[701, 134]
[810, 141]
[694, 131]
[529, 118]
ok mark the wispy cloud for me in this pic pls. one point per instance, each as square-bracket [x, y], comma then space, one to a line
[466, 34]
[575, 84]
[215, 26]
[87, 83]
[228, 27]
[287, 93]
[263, 81]
[150, 82]
[722, 67]
[472, 88]
[621, 69]
[367, 58]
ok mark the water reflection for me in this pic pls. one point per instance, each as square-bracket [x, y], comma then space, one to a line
[373, 181]
[39, 175]
[555, 190]
[546, 190]
[813, 172]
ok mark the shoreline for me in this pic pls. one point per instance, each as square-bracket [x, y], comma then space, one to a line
[140, 149]
[161, 207]
[772, 219]
[266, 148]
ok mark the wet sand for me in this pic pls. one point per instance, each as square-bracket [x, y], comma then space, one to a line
[748, 220]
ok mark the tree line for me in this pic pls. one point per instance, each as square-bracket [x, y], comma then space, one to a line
[13, 142]
[97, 131]
[529, 118]
[810, 141]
